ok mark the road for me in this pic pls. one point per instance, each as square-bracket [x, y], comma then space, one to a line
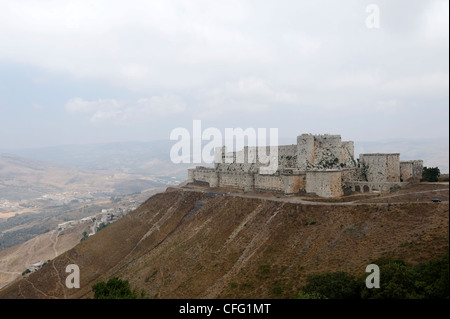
[305, 202]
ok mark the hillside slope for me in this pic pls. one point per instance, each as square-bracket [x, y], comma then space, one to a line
[16, 259]
[184, 244]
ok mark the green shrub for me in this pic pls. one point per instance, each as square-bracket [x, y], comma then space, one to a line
[246, 285]
[115, 288]
[336, 285]
[265, 269]
[276, 290]
[433, 278]
[397, 281]
[305, 295]
[428, 280]
[26, 272]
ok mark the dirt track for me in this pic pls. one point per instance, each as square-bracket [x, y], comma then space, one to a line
[14, 260]
[419, 193]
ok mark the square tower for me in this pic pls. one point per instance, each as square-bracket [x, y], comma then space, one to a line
[381, 168]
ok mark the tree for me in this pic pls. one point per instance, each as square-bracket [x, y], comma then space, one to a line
[430, 174]
[26, 272]
[115, 288]
[433, 278]
[101, 226]
[398, 281]
[85, 236]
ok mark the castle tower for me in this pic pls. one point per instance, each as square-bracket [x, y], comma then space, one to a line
[305, 150]
[381, 167]
[324, 152]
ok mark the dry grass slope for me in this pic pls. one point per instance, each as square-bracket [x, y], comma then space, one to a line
[181, 244]
[16, 259]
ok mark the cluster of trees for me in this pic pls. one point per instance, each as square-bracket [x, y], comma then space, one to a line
[101, 226]
[116, 288]
[397, 281]
[430, 174]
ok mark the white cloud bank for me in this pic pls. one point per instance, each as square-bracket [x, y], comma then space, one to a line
[119, 112]
[308, 65]
[183, 44]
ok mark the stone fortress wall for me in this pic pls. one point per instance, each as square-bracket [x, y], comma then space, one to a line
[324, 183]
[320, 164]
[381, 167]
[410, 169]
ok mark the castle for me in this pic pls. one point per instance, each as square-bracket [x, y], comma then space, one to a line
[320, 164]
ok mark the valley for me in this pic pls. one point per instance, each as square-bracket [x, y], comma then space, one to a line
[37, 196]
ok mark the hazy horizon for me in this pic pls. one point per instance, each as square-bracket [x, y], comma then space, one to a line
[140, 156]
[283, 140]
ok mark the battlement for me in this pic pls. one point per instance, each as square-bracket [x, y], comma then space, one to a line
[379, 155]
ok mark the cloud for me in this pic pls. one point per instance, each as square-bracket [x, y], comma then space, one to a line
[305, 46]
[78, 105]
[256, 62]
[358, 80]
[429, 85]
[248, 95]
[390, 107]
[36, 107]
[180, 45]
[120, 112]
[136, 46]
[436, 26]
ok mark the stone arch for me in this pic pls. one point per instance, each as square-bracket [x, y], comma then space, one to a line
[357, 188]
[366, 189]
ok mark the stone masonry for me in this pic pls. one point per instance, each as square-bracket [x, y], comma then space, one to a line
[410, 169]
[320, 164]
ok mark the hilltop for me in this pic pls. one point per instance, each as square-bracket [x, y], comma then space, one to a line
[203, 244]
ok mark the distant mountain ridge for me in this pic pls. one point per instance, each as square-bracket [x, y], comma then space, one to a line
[26, 178]
[153, 158]
[145, 158]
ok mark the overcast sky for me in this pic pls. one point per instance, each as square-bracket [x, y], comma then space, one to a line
[79, 72]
